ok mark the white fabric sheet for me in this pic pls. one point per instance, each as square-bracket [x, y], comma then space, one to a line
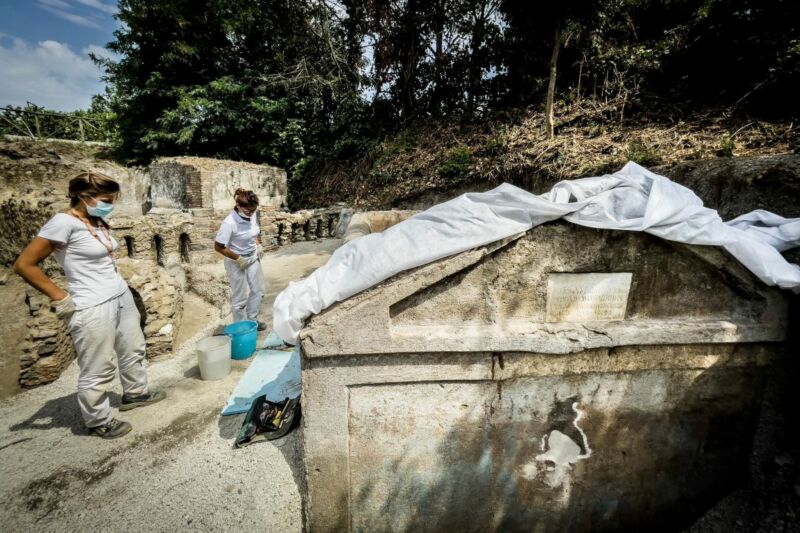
[633, 199]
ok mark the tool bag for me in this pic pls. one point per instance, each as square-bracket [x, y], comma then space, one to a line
[268, 420]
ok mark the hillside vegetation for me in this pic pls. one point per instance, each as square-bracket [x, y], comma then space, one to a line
[434, 159]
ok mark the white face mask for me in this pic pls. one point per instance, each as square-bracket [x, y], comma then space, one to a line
[101, 209]
[242, 215]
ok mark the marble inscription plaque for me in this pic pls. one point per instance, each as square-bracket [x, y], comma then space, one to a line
[587, 297]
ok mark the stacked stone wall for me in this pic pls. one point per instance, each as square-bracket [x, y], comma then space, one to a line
[159, 296]
[47, 349]
[281, 228]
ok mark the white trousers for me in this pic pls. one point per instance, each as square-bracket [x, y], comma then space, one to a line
[98, 333]
[247, 289]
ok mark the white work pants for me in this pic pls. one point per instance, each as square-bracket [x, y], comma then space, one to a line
[245, 303]
[99, 333]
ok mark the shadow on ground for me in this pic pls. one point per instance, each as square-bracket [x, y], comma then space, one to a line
[59, 413]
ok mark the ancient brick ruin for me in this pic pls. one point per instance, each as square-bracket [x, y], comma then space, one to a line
[165, 224]
[197, 182]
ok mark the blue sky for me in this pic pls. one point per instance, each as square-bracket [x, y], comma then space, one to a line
[44, 47]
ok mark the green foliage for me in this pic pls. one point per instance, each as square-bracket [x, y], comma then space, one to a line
[726, 146]
[496, 144]
[456, 165]
[640, 153]
[240, 79]
[95, 124]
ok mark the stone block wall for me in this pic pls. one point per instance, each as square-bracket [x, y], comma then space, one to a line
[160, 301]
[280, 228]
[172, 239]
[198, 182]
[48, 349]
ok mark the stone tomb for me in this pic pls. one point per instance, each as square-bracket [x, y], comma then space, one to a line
[568, 379]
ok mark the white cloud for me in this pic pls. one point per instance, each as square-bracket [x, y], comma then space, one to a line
[97, 4]
[72, 17]
[60, 4]
[49, 74]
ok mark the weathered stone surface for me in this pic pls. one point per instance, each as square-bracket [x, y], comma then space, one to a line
[48, 349]
[158, 245]
[160, 300]
[587, 296]
[197, 182]
[446, 399]
[373, 222]
[213, 290]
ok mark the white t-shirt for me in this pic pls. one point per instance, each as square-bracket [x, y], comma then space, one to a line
[237, 234]
[90, 271]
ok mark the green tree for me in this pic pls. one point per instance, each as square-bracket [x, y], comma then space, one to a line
[239, 79]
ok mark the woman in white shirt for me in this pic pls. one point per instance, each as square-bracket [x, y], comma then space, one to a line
[239, 240]
[98, 306]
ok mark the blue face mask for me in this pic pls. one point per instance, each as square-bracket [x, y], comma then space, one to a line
[101, 209]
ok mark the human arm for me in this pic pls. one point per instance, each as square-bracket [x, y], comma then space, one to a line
[242, 261]
[222, 240]
[221, 248]
[27, 267]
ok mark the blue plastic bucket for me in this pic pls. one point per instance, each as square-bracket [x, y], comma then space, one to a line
[243, 338]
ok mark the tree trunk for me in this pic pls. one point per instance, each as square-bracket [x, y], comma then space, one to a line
[409, 57]
[551, 86]
[438, 81]
[477, 42]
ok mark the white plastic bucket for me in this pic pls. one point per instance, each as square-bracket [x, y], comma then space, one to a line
[214, 357]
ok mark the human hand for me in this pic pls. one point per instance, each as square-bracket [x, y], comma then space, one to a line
[259, 251]
[64, 307]
[243, 262]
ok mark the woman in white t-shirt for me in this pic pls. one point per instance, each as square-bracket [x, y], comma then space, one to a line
[239, 240]
[98, 306]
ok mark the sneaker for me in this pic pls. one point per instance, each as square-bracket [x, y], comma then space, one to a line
[262, 326]
[132, 402]
[112, 429]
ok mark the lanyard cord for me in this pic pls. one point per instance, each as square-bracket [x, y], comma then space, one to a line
[108, 244]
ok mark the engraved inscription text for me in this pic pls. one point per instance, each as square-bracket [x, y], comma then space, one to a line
[587, 297]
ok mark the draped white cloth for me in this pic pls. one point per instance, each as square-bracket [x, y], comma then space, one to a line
[632, 199]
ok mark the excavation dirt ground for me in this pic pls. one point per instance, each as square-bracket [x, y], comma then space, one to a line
[177, 470]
